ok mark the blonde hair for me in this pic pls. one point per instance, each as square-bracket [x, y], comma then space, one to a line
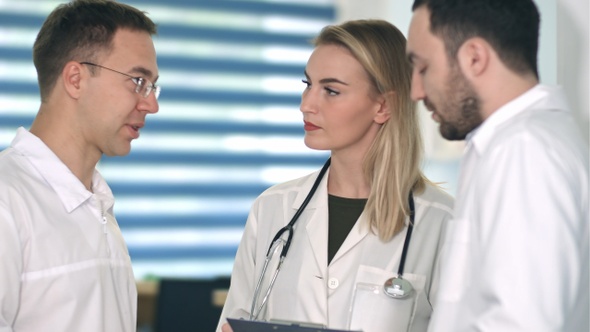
[392, 164]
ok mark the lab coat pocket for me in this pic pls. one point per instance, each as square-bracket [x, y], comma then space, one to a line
[372, 310]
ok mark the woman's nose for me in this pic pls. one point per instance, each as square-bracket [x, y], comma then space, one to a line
[307, 102]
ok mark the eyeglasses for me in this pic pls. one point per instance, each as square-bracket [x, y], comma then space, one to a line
[142, 86]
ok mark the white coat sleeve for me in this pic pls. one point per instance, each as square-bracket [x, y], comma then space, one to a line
[533, 240]
[243, 277]
[10, 269]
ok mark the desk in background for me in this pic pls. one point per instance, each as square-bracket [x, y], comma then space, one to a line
[177, 305]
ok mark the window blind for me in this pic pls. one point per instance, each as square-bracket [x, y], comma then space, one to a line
[228, 126]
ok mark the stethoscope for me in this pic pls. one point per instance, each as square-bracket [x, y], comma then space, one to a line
[396, 287]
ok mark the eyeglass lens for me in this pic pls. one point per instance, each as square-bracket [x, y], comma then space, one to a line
[144, 87]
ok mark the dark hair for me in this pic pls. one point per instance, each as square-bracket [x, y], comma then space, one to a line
[81, 30]
[510, 26]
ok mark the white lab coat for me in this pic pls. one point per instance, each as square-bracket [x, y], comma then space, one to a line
[309, 290]
[517, 254]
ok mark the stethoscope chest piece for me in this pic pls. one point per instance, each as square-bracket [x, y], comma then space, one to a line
[397, 288]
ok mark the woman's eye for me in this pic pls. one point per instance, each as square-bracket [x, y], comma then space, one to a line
[306, 82]
[332, 92]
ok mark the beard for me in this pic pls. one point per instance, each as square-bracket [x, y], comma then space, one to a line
[460, 112]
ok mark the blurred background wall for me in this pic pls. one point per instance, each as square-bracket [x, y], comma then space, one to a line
[229, 124]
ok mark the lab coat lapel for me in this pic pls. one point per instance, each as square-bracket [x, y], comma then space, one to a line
[315, 219]
[317, 233]
[358, 232]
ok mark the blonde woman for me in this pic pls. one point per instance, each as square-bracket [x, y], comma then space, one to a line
[346, 246]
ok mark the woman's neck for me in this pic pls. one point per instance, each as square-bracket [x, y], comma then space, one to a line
[346, 179]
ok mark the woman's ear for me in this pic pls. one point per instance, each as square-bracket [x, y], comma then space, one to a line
[72, 79]
[384, 110]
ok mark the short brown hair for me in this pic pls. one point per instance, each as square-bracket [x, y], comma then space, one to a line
[79, 30]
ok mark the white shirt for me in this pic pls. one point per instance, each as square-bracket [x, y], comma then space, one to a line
[517, 255]
[63, 263]
[348, 291]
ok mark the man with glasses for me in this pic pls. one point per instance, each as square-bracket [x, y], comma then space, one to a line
[64, 265]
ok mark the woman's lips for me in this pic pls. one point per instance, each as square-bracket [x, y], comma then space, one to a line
[308, 126]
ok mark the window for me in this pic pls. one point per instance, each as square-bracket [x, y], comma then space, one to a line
[229, 124]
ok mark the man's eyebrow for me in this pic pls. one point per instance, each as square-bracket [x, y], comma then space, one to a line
[145, 72]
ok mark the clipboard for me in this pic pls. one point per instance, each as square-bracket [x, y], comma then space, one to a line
[242, 325]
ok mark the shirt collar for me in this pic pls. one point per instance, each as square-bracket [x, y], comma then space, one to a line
[66, 185]
[545, 96]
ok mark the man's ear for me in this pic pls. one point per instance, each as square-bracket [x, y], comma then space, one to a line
[71, 76]
[384, 112]
[474, 57]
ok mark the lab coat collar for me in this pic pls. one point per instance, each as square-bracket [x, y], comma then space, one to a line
[66, 185]
[544, 96]
[317, 227]
[319, 199]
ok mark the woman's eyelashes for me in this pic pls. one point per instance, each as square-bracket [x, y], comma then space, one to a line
[329, 90]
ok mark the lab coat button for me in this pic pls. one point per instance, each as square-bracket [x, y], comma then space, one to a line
[333, 283]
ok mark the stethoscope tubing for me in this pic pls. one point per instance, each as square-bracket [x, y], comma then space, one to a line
[402, 261]
[398, 287]
[275, 241]
[254, 312]
[289, 227]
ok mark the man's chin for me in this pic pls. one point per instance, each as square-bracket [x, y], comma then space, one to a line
[121, 152]
[451, 133]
